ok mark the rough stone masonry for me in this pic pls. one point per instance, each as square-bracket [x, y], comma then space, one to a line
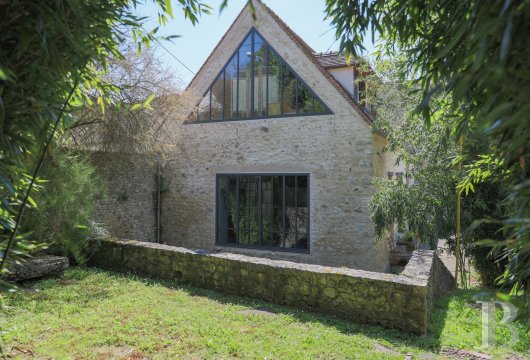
[396, 301]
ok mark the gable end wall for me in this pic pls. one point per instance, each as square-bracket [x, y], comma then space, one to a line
[335, 149]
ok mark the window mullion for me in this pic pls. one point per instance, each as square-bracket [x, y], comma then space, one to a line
[210, 93]
[260, 185]
[281, 87]
[248, 209]
[237, 212]
[283, 212]
[267, 80]
[272, 210]
[217, 207]
[296, 96]
[237, 85]
[252, 75]
[224, 96]
[296, 209]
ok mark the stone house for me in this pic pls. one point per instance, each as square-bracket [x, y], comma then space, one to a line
[277, 159]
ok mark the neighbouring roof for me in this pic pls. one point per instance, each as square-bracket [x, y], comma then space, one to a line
[310, 53]
[331, 59]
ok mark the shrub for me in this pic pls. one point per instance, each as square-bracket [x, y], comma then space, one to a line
[63, 218]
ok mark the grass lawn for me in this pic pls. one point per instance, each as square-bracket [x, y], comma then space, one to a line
[90, 313]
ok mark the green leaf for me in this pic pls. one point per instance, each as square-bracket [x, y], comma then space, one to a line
[148, 102]
[32, 202]
[169, 10]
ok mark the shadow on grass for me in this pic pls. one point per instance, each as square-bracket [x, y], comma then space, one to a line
[429, 342]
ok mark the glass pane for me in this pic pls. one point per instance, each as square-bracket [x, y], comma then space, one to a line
[218, 98]
[301, 241]
[289, 91]
[193, 115]
[302, 213]
[260, 76]
[274, 90]
[248, 210]
[204, 108]
[290, 211]
[268, 238]
[230, 108]
[304, 99]
[222, 207]
[319, 106]
[301, 191]
[227, 209]
[277, 208]
[245, 65]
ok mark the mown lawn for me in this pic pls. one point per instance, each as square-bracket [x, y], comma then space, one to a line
[89, 313]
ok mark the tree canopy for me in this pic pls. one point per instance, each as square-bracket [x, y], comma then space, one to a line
[476, 53]
[52, 58]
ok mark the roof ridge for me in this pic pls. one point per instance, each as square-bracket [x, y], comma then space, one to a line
[216, 46]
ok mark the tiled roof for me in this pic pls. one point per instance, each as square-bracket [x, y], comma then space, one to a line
[331, 59]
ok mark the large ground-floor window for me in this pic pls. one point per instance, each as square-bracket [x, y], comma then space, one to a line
[263, 210]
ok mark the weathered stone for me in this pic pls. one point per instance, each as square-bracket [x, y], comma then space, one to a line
[398, 301]
[330, 292]
[127, 208]
[38, 267]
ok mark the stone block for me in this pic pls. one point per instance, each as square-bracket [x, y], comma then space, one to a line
[37, 267]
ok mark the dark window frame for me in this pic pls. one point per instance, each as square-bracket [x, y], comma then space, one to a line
[283, 231]
[251, 33]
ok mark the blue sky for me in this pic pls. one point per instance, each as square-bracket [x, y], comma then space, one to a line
[305, 17]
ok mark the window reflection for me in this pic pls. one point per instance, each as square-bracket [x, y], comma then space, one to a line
[288, 91]
[230, 94]
[203, 112]
[260, 76]
[256, 83]
[274, 78]
[217, 98]
[263, 210]
[244, 76]
[304, 99]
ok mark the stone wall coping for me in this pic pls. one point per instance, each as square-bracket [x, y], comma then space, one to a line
[419, 265]
[416, 273]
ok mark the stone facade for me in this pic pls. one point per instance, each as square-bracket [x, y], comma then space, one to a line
[396, 301]
[336, 150]
[128, 206]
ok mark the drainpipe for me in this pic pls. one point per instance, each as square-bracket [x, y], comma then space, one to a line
[158, 177]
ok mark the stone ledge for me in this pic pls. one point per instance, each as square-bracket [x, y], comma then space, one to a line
[37, 267]
[396, 301]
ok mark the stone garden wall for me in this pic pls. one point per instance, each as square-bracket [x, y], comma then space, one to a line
[396, 301]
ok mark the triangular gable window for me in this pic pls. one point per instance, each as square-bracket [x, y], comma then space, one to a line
[257, 83]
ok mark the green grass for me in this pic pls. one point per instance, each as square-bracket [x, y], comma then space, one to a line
[90, 313]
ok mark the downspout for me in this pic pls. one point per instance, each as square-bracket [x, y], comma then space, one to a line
[158, 207]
